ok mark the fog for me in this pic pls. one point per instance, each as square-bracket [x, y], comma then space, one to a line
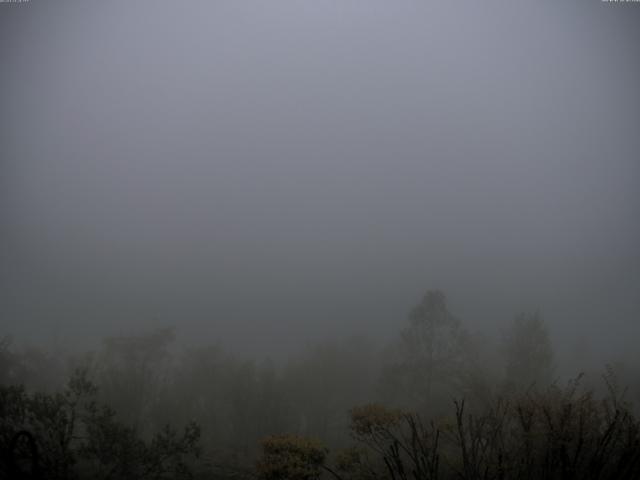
[266, 174]
[285, 180]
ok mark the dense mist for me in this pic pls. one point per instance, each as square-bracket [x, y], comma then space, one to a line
[285, 182]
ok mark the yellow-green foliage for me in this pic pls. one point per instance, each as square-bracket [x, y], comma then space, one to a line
[370, 419]
[291, 457]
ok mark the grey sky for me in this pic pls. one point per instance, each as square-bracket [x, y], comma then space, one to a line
[265, 174]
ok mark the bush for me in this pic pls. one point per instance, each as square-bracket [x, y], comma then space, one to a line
[291, 457]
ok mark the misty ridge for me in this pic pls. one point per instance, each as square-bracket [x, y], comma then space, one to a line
[319, 239]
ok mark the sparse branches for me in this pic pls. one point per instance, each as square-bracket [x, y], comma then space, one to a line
[406, 446]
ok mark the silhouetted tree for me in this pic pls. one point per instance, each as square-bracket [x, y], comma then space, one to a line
[433, 355]
[131, 371]
[529, 353]
[75, 437]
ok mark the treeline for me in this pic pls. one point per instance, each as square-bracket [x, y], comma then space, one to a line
[140, 408]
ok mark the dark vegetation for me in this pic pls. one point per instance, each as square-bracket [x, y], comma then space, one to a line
[437, 403]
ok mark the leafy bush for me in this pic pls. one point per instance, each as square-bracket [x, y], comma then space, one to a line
[291, 457]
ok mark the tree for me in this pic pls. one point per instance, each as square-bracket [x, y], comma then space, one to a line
[325, 382]
[433, 354]
[407, 446]
[528, 351]
[69, 435]
[131, 371]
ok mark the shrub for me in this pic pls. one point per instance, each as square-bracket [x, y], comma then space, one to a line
[291, 457]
